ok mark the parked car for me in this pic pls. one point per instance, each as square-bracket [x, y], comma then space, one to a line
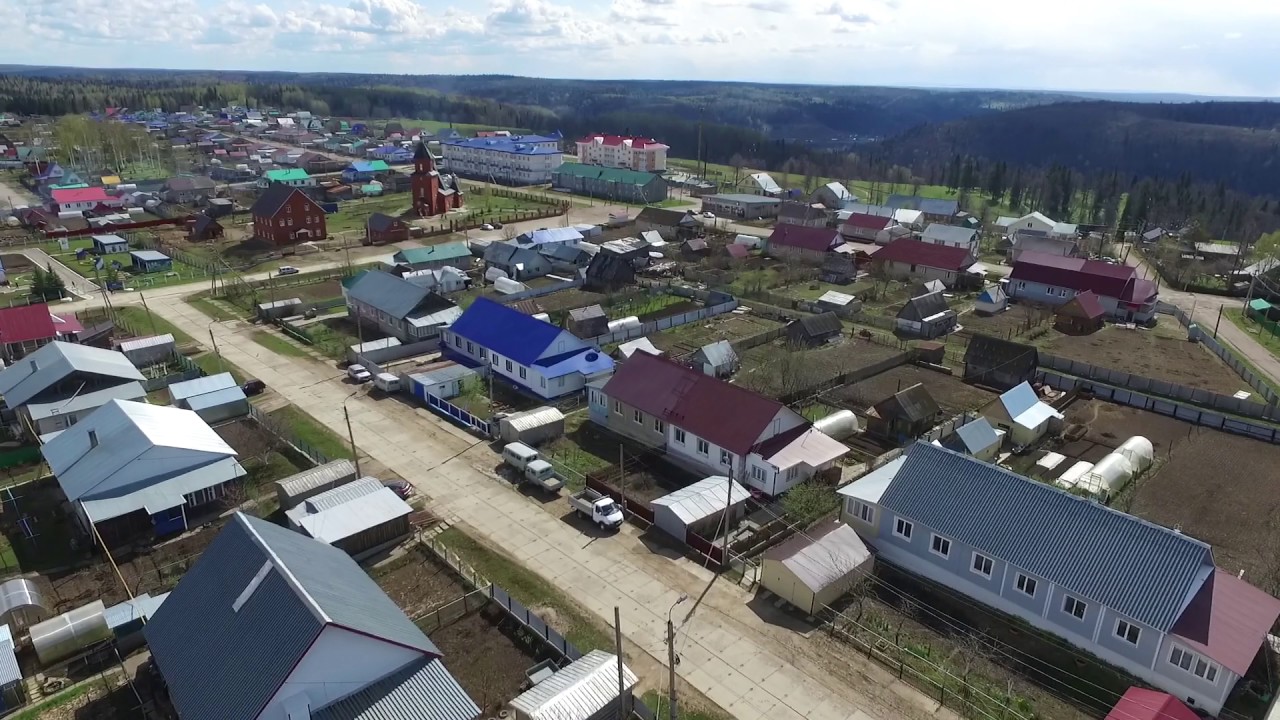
[400, 487]
[486, 226]
[497, 226]
[287, 270]
[709, 215]
[359, 374]
[253, 387]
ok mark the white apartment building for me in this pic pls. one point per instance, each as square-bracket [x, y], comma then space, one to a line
[623, 151]
[515, 160]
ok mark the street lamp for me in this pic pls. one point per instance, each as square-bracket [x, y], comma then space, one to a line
[671, 657]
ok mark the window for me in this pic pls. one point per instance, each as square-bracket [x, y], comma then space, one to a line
[1193, 664]
[757, 473]
[495, 361]
[703, 447]
[981, 565]
[792, 472]
[522, 373]
[1074, 607]
[1022, 285]
[1026, 585]
[457, 341]
[637, 416]
[902, 528]
[508, 366]
[726, 457]
[1128, 632]
[864, 512]
[940, 546]
[617, 406]
[543, 382]
[658, 426]
[679, 436]
[470, 348]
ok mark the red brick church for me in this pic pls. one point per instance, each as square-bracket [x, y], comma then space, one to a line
[434, 193]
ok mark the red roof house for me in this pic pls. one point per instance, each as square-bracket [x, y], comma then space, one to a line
[862, 226]
[1050, 278]
[1227, 621]
[798, 242]
[25, 328]
[80, 199]
[1143, 704]
[1081, 315]
[908, 258]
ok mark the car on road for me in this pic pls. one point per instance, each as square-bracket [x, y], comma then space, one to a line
[253, 387]
[359, 374]
[486, 226]
[286, 270]
[497, 226]
[709, 215]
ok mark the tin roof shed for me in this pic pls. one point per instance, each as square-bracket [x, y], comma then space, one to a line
[578, 691]
[309, 483]
[703, 500]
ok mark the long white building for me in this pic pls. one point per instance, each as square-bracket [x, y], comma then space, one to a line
[515, 160]
[623, 151]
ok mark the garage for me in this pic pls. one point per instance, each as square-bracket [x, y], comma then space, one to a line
[811, 571]
[700, 508]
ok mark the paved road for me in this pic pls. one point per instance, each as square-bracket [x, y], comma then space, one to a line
[73, 280]
[753, 665]
[12, 195]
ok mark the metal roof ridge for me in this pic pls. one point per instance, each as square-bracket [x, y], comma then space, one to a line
[285, 572]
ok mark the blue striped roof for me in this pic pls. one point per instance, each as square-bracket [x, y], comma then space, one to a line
[1134, 567]
[505, 331]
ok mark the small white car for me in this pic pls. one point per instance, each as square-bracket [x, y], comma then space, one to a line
[286, 270]
[359, 374]
[709, 215]
[486, 226]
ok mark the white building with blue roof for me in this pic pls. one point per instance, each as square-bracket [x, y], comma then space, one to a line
[532, 354]
[515, 160]
[1141, 597]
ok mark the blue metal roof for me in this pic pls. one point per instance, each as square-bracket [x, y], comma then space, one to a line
[516, 144]
[217, 398]
[421, 690]
[1134, 567]
[505, 331]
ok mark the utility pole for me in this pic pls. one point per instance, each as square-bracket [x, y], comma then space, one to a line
[622, 682]
[355, 454]
[214, 340]
[622, 479]
[150, 319]
[671, 669]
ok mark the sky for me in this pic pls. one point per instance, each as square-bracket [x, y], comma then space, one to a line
[1181, 46]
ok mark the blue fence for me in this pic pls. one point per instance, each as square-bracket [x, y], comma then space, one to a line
[458, 415]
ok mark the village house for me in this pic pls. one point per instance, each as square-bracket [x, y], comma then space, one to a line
[517, 262]
[672, 225]
[804, 214]
[759, 184]
[952, 236]
[814, 330]
[285, 215]
[1054, 280]
[61, 383]
[82, 199]
[1021, 414]
[381, 229]
[204, 228]
[802, 244]
[610, 183]
[934, 210]
[188, 189]
[399, 307]
[926, 316]
[710, 425]
[1140, 597]
[434, 257]
[294, 177]
[833, 196]
[904, 415]
[907, 258]
[864, 227]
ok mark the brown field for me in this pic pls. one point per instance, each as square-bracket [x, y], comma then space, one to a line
[1211, 485]
[687, 338]
[1150, 354]
[775, 370]
[1017, 320]
[312, 292]
[952, 394]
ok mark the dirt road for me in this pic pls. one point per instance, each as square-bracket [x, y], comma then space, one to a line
[14, 195]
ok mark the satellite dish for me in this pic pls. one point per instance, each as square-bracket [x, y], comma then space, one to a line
[592, 357]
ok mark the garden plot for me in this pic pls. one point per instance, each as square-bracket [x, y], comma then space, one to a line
[1015, 321]
[732, 326]
[952, 394]
[1152, 354]
[777, 370]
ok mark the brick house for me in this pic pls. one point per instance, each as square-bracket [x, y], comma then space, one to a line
[797, 242]
[286, 215]
[434, 193]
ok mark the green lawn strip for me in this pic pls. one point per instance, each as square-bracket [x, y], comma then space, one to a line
[659, 702]
[213, 309]
[64, 698]
[211, 364]
[138, 320]
[578, 626]
[277, 344]
[306, 429]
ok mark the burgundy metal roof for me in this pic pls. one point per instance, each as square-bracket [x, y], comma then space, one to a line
[724, 414]
[1079, 274]
[26, 322]
[869, 222]
[1089, 304]
[1227, 620]
[915, 252]
[804, 238]
[1143, 704]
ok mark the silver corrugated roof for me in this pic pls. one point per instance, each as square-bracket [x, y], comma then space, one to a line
[537, 417]
[86, 401]
[822, 557]
[225, 396]
[333, 498]
[302, 585]
[355, 516]
[702, 499]
[45, 367]
[422, 690]
[718, 353]
[318, 476]
[442, 375]
[1134, 567]
[146, 342]
[578, 691]
[9, 671]
[201, 385]
[164, 494]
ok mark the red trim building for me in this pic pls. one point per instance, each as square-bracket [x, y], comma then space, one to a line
[434, 193]
[286, 215]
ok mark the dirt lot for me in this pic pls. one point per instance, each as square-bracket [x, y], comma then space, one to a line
[1012, 322]
[1151, 354]
[566, 300]
[420, 582]
[1217, 487]
[775, 370]
[312, 292]
[689, 337]
[952, 393]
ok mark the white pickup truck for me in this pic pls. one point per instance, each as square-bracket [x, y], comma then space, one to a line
[600, 509]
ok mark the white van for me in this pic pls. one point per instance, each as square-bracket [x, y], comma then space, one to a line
[518, 455]
[386, 382]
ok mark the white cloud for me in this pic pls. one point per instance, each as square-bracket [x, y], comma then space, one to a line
[876, 42]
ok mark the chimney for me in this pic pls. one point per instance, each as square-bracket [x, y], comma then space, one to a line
[93, 439]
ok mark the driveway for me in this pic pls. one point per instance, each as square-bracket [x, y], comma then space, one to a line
[14, 195]
[740, 660]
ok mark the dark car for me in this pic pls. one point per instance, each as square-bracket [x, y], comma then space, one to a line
[497, 225]
[400, 487]
[253, 387]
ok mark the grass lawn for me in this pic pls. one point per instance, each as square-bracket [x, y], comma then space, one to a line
[215, 310]
[277, 344]
[181, 272]
[212, 364]
[480, 204]
[352, 215]
[465, 129]
[66, 697]
[658, 702]
[577, 625]
[138, 320]
[306, 429]
[1259, 332]
[643, 305]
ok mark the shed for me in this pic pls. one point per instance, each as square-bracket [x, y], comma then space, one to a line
[813, 570]
[279, 308]
[180, 392]
[148, 261]
[107, 244]
[220, 405]
[814, 329]
[991, 300]
[12, 693]
[532, 426]
[629, 348]
[444, 382]
[1081, 315]
[905, 414]
[587, 322]
[585, 689]
[926, 316]
[700, 508]
[976, 438]
[1020, 412]
[358, 523]
[309, 483]
[717, 359]
[924, 288]
[149, 350]
[999, 363]
[839, 303]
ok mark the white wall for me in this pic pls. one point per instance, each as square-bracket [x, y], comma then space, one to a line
[339, 663]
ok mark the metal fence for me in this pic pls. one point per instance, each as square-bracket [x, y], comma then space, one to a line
[284, 433]
[452, 412]
[664, 324]
[534, 624]
[1223, 351]
[540, 291]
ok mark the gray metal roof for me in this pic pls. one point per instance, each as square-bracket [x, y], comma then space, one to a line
[535, 418]
[201, 385]
[355, 516]
[977, 435]
[718, 354]
[9, 671]
[577, 691]
[1134, 567]
[241, 619]
[442, 375]
[395, 296]
[217, 398]
[146, 342]
[334, 497]
[162, 494]
[702, 499]
[318, 476]
[948, 233]
[45, 367]
[421, 690]
[823, 557]
[148, 255]
[86, 401]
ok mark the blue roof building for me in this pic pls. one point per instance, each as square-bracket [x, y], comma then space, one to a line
[515, 160]
[532, 354]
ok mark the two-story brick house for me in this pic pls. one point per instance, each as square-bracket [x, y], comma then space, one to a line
[285, 215]
[711, 426]
[1139, 596]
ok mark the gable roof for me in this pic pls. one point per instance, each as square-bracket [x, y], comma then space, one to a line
[78, 195]
[24, 323]
[664, 217]
[820, 325]
[205, 223]
[580, 690]
[421, 690]
[621, 176]
[867, 221]
[916, 252]
[184, 183]
[805, 238]
[396, 296]
[1026, 408]
[724, 414]
[1079, 274]
[274, 198]
[289, 175]
[949, 233]
[973, 436]
[717, 354]
[1142, 704]
[765, 182]
[1228, 620]
[381, 222]
[923, 307]
[799, 211]
[45, 367]
[822, 557]
[443, 252]
[1085, 304]
[251, 607]
[1131, 566]
[505, 331]
[913, 404]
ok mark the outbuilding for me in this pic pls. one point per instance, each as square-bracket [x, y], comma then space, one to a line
[361, 517]
[926, 316]
[1081, 315]
[220, 405]
[814, 330]
[309, 483]
[532, 426]
[181, 392]
[811, 571]
[585, 689]
[149, 350]
[991, 300]
[149, 261]
[444, 383]
[108, 244]
[700, 508]
[717, 359]
[976, 438]
[1021, 413]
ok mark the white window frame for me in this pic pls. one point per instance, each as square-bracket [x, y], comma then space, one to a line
[659, 426]
[1025, 581]
[637, 417]
[935, 540]
[864, 511]
[903, 528]
[726, 457]
[973, 565]
[522, 372]
[679, 436]
[704, 447]
[757, 473]
[1195, 660]
[1123, 628]
[1075, 602]
[617, 406]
